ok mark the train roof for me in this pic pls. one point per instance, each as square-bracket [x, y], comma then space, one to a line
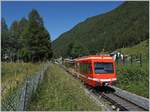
[94, 57]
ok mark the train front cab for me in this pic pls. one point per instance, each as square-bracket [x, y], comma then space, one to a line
[103, 72]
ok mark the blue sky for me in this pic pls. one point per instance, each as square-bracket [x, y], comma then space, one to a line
[58, 17]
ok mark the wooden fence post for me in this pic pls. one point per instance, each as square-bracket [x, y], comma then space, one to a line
[140, 59]
[131, 59]
[25, 96]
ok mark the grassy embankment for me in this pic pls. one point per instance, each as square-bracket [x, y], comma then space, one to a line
[133, 77]
[13, 74]
[60, 91]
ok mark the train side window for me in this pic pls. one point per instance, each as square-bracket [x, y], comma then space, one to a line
[89, 68]
[84, 68]
[86, 71]
[80, 67]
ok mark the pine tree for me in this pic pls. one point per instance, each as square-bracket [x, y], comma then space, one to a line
[37, 39]
[22, 24]
[14, 40]
[4, 40]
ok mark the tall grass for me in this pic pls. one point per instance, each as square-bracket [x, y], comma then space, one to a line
[13, 74]
[134, 79]
[60, 91]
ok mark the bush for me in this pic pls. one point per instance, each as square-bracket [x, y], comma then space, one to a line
[134, 79]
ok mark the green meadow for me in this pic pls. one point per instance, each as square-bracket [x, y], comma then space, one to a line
[60, 91]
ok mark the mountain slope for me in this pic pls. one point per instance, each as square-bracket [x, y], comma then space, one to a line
[124, 26]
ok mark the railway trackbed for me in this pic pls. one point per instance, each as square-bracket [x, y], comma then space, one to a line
[119, 99]
[122, 103]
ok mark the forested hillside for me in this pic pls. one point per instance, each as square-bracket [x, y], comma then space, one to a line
[124, 26]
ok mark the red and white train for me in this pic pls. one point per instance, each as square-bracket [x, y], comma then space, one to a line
[98, 70]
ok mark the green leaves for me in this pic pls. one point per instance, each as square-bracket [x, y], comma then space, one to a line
[26, 40]
[133, 78]
[37, 38]
[75, 50]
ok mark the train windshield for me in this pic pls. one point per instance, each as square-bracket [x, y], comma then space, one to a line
[101, 67]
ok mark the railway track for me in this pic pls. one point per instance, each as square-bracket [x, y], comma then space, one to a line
[120, 99]
[122, 103]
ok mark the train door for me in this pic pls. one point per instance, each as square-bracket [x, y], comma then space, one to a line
[83, 71]
[88, 71]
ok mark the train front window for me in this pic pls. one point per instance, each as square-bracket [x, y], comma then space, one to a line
[101, 67]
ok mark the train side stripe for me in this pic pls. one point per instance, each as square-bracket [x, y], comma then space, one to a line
[95, 79]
